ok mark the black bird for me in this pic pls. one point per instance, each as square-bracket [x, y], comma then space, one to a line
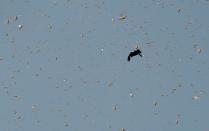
[134, 53]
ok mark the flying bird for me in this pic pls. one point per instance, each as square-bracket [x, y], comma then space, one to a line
[134, 53]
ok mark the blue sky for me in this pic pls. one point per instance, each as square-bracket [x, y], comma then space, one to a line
[66, 67]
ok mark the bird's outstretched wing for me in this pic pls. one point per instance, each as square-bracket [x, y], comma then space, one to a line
[129, 57]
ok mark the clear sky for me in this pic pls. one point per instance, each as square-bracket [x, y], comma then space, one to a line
[64, 65]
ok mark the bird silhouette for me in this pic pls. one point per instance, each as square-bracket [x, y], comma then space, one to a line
[134, 53]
